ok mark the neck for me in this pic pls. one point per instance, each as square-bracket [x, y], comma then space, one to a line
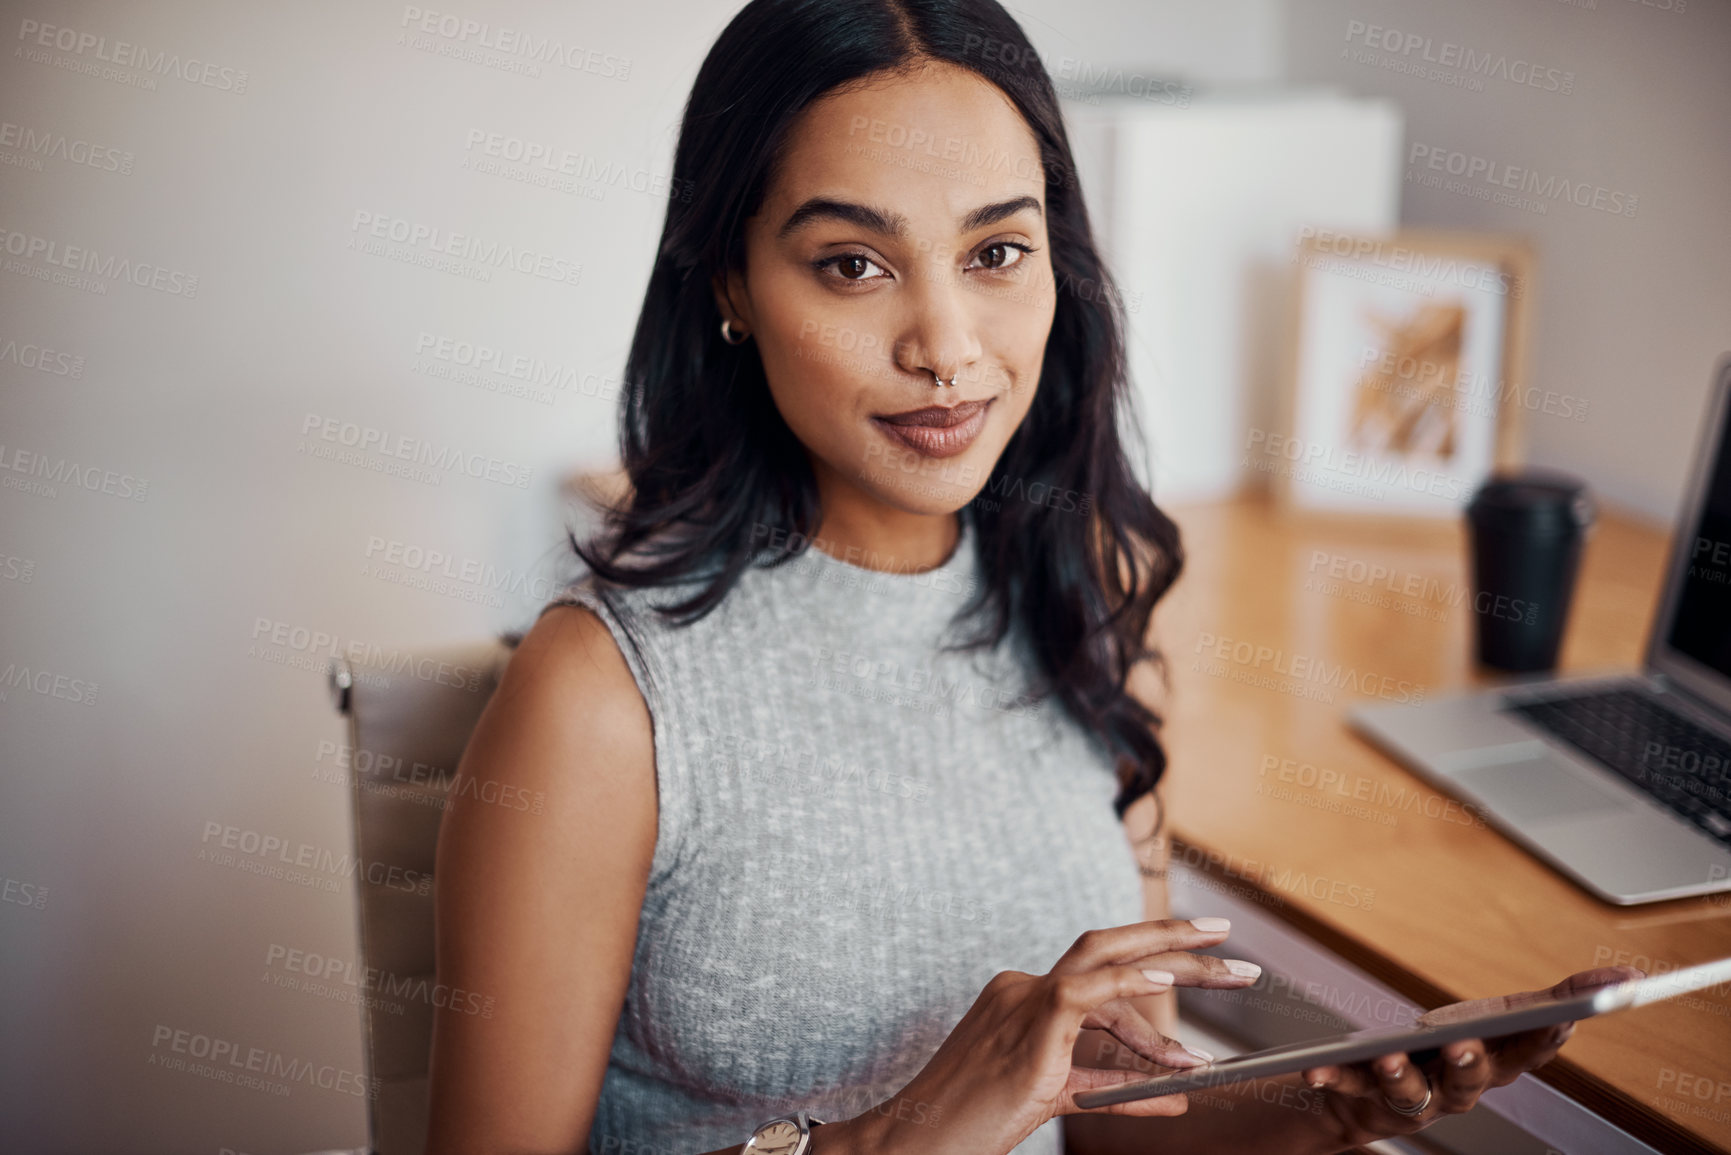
[860, 530]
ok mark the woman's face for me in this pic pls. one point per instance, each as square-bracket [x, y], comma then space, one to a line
[904, 235]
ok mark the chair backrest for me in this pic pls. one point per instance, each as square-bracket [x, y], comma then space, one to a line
[409, 718]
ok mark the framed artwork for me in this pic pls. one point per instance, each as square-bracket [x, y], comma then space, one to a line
[1407, 370]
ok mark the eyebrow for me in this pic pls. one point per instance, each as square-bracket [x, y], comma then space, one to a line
[894, 224]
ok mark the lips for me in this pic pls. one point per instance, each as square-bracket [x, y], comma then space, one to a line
[938, 416]
[937, 430]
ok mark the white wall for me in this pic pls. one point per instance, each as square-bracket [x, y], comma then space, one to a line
[1204, 43]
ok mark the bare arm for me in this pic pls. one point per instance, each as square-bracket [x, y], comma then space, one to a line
[538, 911]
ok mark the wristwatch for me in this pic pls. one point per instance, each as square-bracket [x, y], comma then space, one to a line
[787, 1135]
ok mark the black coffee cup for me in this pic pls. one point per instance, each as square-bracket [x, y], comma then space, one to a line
[1527, 530]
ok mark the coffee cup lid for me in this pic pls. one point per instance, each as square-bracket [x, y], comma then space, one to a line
[1533, 501]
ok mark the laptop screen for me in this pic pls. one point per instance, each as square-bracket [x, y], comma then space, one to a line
[1700, 626]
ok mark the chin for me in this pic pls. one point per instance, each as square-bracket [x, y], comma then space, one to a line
[930, 505]
[937, 487]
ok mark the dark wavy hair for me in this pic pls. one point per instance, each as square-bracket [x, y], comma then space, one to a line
[712, 464]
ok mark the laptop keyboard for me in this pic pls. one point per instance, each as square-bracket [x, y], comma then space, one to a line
[1683, 765]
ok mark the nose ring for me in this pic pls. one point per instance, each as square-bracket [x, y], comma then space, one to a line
[936, 380]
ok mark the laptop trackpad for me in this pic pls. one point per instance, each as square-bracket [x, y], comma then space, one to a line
[1537, 787]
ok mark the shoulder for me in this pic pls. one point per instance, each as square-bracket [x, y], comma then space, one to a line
[569, 679]
[645, 620]
[568, 730]
[568, 727]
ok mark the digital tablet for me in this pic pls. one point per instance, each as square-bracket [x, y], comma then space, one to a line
[1420, 1043]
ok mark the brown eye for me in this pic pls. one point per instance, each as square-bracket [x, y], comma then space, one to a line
[1001, 255]
[856, 267]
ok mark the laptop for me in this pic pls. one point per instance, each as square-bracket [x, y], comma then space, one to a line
[1623, 781]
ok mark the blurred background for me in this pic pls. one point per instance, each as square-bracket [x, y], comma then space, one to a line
[310, 312]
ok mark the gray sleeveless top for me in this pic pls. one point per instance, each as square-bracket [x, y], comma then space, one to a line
[855, 833]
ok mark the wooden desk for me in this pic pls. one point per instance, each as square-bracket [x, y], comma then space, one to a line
[1371, 862]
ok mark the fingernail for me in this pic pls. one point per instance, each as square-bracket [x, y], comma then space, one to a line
[1317, 1084]
[1243, 969]
[1394, 1071]
[1200, 1054]
[1165, 978]
[1465, 1060]
[1211, 925]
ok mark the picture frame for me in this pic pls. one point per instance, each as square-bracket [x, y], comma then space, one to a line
[1406, 376]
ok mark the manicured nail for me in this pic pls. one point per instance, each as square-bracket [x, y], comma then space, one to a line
[1243, 969]
[1200, 1054]
[1318, 1084]
[1393, 1072]
[1164, 978]
[1211, 925]
[1465, 1060]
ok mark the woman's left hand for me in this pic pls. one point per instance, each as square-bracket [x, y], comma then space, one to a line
[1361, 1097]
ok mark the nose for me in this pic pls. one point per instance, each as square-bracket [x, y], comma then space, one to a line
[940, 332]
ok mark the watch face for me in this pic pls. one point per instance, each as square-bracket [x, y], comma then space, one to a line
[779, 1138]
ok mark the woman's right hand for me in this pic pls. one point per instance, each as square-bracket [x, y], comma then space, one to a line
[1007, 1067]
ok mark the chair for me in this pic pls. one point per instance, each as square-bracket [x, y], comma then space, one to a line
[408, 724]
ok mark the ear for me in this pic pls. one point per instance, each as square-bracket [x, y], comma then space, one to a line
[732, 299]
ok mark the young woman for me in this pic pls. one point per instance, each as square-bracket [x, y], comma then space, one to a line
[837, 739]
